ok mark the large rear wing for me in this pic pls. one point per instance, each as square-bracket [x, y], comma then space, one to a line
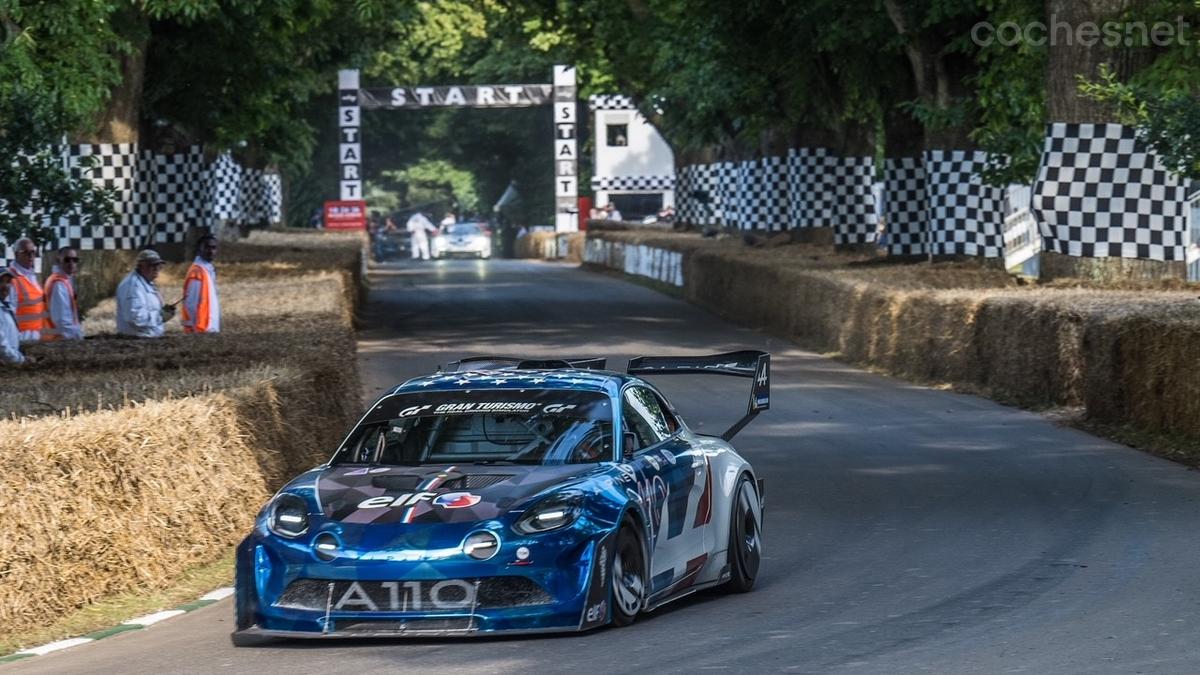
[521, 363]
[748, 363]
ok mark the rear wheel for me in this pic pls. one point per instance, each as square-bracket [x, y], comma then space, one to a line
[628, 577]
[745, 539]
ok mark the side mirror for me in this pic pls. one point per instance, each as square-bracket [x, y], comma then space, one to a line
[629, 444]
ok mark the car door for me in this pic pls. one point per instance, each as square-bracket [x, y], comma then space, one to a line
[672, 482]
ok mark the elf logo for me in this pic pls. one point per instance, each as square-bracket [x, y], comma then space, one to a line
[450, 500]
[456, 500]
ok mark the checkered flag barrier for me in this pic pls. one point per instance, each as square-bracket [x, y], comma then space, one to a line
[633, 183]
[115, 166]
[1100, 192]
[762, 194]
[904, 208]
[159, 196]
[966, 216]
[724, 193]
[177, 183]
[811, 183]
[854, 220]
[610, 102]
[273, 195]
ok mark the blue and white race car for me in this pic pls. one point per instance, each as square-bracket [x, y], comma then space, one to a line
[503, 495]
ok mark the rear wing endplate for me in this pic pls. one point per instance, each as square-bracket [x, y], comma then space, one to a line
[748, 363]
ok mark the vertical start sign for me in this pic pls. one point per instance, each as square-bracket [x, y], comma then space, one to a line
[566, 149]
[349, 139]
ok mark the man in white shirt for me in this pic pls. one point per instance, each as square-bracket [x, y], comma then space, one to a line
[420, 227]
[201, 304]
[63, 322]
[140, 309]
[10, 347]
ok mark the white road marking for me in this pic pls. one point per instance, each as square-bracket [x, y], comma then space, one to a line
[151, 619]
[55, 646]
[219, 594]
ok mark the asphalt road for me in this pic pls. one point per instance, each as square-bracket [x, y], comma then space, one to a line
[909, 530]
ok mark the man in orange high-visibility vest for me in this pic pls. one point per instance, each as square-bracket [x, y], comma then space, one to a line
[201, 306]
[62, 311]
[26, 295]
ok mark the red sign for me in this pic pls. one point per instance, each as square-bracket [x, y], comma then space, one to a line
[346, 215]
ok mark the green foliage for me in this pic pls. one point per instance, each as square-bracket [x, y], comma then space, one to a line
[1168, 121]
[35, 187]
[436, 181]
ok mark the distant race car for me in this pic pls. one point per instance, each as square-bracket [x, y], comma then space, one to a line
[469, 239]
[502, 495]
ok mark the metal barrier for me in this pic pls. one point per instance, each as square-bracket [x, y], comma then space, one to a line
[1022, 239]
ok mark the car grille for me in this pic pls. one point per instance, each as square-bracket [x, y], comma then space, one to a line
[476, 481]
[432, 626]
[441, 595]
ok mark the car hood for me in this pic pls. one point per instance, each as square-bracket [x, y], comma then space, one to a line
[435, 494]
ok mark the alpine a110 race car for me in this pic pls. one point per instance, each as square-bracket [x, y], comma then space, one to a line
[502, 495]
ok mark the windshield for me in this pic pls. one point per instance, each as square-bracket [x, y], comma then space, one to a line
[463, 229]
[526, 426]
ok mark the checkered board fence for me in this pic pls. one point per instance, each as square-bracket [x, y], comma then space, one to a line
[1100, 192]
[966, 217]
[690, 208]
[904, 207]
[762, 194]
[113, 166]
[854, 219]
[157, 197]
[723, 178]
[809, 172]
[633, 183]
[610, 102]
[806, 188]
[177, 183]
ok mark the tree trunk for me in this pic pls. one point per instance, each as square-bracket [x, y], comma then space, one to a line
[1068, 62]
[119, 122]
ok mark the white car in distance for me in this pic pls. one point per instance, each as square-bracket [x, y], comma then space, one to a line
[463, 239]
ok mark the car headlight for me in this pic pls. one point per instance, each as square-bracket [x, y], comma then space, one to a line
[481, 545]
[551, 513]
[288, 516]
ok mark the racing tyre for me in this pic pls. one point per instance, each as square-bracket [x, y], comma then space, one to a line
[628, 577]
[745, 539]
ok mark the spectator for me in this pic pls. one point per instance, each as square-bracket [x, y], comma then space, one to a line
[26, 296]
[611, 212]
[140, 309]
[62, 321]
[201, 303]
[10, 343]
[420, 227]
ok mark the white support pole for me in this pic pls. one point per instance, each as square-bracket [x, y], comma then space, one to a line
[349, 138]
[566, 160]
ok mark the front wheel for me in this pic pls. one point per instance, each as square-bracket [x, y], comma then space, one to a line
[628, 577]
[745, 538]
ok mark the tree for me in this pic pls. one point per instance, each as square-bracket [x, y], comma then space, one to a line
[36, 189]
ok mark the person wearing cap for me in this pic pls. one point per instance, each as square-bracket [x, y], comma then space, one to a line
[26, 296]
[10, 343]
[201, 305]
[62, 320]
[611, 212]
[140, 309]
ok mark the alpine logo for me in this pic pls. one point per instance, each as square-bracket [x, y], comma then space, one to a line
[456, 500]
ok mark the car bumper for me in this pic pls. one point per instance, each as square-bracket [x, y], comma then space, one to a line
[568, 575]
